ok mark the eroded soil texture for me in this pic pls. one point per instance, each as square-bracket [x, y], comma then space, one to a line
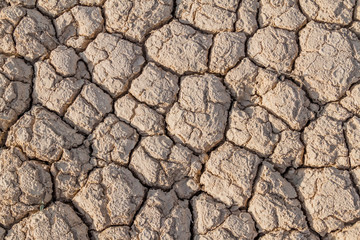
[179, 119]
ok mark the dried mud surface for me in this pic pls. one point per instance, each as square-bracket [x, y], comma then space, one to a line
[179, 119]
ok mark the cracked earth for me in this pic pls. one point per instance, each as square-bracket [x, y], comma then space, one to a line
[179, 119]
